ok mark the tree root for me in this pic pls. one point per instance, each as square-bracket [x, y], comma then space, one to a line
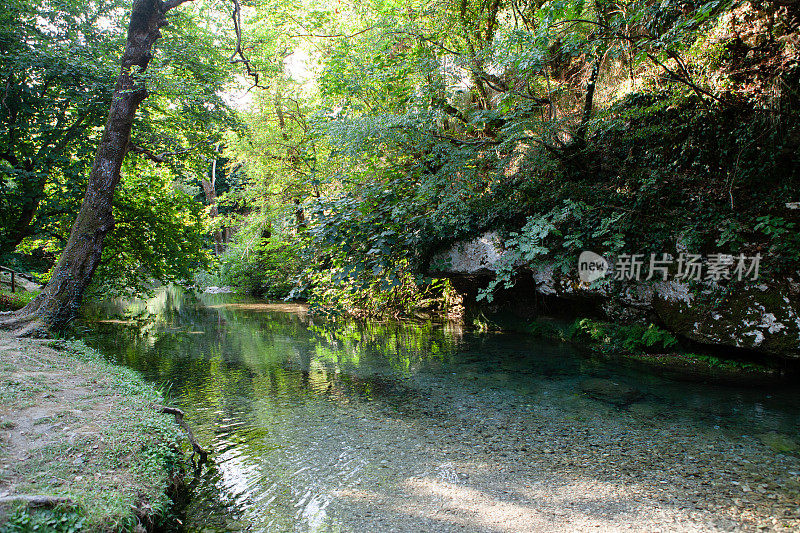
[36, 500]
[28, 321]
[23, 325]
[196, 448]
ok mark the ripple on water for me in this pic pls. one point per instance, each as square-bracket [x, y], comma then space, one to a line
[313, 425]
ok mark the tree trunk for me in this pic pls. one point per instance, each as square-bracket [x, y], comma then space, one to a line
[588, 103]
[476, 63]
[210, 190]
[58, 303]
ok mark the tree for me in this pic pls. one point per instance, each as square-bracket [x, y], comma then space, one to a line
[61, 298]
[56, 91]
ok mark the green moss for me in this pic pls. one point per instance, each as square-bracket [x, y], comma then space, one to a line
[704, 366]
[779, 443]
[722, 317]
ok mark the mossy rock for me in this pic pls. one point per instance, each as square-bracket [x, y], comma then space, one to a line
[756, 317]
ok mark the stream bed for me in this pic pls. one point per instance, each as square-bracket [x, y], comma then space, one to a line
[341, 426]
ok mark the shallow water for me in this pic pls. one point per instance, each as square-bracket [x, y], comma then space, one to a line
[342, 426]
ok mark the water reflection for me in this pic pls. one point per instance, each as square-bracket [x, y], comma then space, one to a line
[302, 414]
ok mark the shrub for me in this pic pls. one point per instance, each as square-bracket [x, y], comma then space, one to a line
[270, 272]
[11, 301]
[628, 338]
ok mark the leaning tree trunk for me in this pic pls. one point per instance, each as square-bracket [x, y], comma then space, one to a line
[59, 301]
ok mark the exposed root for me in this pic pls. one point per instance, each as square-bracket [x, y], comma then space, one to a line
[24, 325]
[10, 320]
[196, 448]
[36, 500]
[26, 322]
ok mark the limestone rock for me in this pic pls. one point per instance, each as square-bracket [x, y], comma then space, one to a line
[755, 315]
[469, 257]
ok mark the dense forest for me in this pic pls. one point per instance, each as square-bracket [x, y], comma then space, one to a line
[329, 151]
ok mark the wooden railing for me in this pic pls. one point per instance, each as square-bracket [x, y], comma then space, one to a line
[14, 275]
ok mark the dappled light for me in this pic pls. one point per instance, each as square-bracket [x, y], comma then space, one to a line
[263, 307]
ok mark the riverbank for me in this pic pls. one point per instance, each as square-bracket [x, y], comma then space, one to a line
[82, 432]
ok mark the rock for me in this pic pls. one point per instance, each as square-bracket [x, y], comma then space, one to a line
[217, 290]
[779, 443]
[469, 257]
[644, 410]
[609, 391]
[758, 315]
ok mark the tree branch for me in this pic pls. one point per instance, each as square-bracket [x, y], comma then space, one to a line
[465, 142]
[330, 36]
[162, 157]
[238, 53]
[196, 448]
[171, 4]
[677, 77]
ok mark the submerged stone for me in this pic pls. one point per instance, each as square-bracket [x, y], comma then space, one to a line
[779, 443]
[644, 410]
[609, 391]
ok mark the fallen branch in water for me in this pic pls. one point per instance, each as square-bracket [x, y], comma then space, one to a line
[36, 500]
[196, 448]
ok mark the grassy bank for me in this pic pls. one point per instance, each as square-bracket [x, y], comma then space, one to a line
[74, 426]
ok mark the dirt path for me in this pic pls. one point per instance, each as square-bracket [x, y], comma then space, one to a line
[74, 426]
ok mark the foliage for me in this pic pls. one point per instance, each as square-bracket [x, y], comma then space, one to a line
[58, 70]
[439, 123]
[56, 520]
[159, 234]
[387, 132]
[11, 301]
[57, 88]
[630, 338]
[726, 364]
[545, 330]
[269, 271]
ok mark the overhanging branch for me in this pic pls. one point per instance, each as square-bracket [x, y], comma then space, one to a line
[164, 156]
[238, 53]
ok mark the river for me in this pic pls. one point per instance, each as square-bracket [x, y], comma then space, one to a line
[338, 426]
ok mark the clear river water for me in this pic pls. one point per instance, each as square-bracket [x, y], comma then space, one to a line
[320, 425]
